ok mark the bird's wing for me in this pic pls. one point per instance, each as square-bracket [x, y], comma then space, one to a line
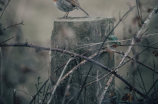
[75, 3]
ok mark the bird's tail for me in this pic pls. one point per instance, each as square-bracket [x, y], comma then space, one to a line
[84, 11]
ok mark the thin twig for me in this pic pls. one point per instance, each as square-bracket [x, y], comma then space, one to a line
[58, 82]
[134, 56]
[106, 88]
[6, 40]
[146, 22]
[21, 23]
[14, 96]
[38, 91]
[127, 52]
[119, 89]
[72, 54]
[142, 80]
[38, 83]
[111, 41]
[96, 80]
[81, 63]
[151, 87]
[28, 92]
[138, 35]
[139, 62]
[66, 90]
[46, 94]
[84, 82]
[59, 67]
[154, 72]
[98, 87]
[138, 8]
[4, 9]
[140, 46]
[1, 75]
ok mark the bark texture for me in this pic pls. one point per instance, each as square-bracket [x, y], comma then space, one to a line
[71, 34]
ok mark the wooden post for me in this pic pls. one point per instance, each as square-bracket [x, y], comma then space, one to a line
[73, 34]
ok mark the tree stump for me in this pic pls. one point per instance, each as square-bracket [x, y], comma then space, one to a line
[76, 34]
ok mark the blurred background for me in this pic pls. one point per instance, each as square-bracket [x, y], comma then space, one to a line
[23, 66]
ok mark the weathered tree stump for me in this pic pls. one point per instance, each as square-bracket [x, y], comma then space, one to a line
[70, 34]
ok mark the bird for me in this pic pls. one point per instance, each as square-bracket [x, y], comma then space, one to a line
[68, 5]
[114, 38]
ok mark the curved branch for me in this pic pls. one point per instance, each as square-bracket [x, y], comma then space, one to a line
[75, 55]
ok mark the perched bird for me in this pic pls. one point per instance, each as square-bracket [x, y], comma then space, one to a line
[68, 5]
[114, 38]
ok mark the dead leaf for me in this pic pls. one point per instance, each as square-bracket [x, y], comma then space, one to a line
[127, 97]
[115, 45]
[154, 51]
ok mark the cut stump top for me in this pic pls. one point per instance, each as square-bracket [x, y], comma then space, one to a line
[81, 19]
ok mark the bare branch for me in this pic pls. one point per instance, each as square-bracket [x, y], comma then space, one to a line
[28, 92]
[75, 55]
[84, 82]
[14, 96]
[147, 21]
[39, 91]
[136, 55]
[83, 62]
[6, 40]
[152, 69]
[21, 23]
[58, 82]
[138, 35]
[106, 88]
[111, 41]
[4, 9]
